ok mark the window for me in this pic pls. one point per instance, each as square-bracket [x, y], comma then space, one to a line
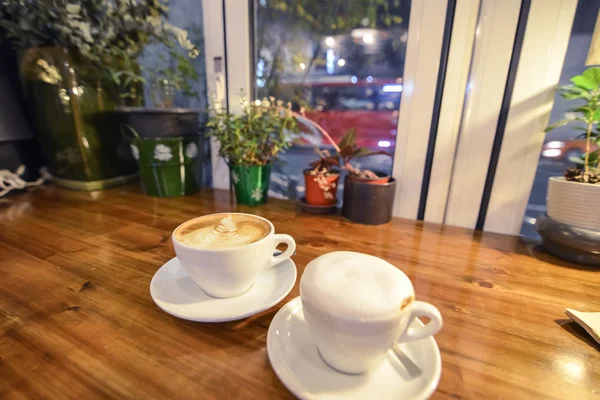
[344, 63]
[562, 148]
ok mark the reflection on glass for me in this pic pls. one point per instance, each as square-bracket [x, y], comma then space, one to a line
[343, 61]
[562, 149]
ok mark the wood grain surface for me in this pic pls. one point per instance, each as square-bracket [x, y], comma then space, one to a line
[77, 320]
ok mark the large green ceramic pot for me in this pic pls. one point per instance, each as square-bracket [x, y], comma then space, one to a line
[169, 166]
[251, 183]
[70, 103]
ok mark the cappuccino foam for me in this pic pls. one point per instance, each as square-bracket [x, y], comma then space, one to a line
[355, 286]
[222, 231]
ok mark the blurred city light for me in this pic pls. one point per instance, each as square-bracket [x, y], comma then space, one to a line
[551, 153]
[384, 143]
[302, 66]
[368, 38]
[329, 41]
[392, 88]
[341, 62]
[330, 62]
[555, 144]
[354, 79]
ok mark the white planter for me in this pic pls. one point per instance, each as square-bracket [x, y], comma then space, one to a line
[574, 203]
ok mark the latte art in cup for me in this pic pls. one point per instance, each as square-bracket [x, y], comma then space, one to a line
[222, 231]
[224, 253]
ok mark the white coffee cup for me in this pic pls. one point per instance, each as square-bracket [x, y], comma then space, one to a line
[357, 307]
[230, 272]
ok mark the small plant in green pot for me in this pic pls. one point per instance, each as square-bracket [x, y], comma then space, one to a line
[250, 141]
[567, 230]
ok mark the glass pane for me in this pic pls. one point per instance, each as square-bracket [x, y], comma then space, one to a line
[187, 15]
[562, 149]
[344, 63]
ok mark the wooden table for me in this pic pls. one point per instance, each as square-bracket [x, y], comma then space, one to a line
[77, 320]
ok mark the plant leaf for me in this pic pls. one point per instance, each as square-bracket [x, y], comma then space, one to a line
[348, 139]
[570, 95]
[584, 82]
[593, 74]
[557, 124]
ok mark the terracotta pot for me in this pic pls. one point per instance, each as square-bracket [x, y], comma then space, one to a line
[380, 180]
[315, 195]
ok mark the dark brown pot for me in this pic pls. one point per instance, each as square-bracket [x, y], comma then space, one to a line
[367, 203]
[577, 245]
[381, 178]
[315, 195]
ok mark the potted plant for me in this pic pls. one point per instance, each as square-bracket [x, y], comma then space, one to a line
[368, 195]
[165, 140]
[249, 142]
[66, 48]
[321, 179]
[566, 230]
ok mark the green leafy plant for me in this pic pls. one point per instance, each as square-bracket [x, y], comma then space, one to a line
[257, 135]
[110, 34]
[171, 74]
[97, 29]
[585, 89]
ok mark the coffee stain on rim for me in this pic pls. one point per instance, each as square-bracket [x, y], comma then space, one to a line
[406, 302]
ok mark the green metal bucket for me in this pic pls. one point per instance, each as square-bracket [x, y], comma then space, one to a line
[168, 166]
[251, 183]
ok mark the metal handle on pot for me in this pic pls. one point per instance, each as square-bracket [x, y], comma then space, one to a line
[131, 131]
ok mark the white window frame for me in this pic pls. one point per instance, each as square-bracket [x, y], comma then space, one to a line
[494, 42]
[214, 49]
[421, 69]
[453, 100]
[544, 48]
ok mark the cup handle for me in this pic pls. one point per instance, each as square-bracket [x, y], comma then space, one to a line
[291, 248]
[421, 308]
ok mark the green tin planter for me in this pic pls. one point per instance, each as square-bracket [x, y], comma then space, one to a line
[70, 102]
[251, 183]
[169, 167]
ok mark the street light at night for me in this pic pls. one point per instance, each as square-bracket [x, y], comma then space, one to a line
[368, 38]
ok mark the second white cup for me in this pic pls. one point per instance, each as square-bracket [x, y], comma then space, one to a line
[357, 307]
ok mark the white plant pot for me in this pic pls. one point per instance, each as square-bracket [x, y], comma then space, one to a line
[574, 203]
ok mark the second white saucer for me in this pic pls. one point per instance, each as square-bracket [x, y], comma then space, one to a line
[412, 373]
[175, 293]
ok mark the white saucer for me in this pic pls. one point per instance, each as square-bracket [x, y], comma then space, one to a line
[175, 293]
[413, 374]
